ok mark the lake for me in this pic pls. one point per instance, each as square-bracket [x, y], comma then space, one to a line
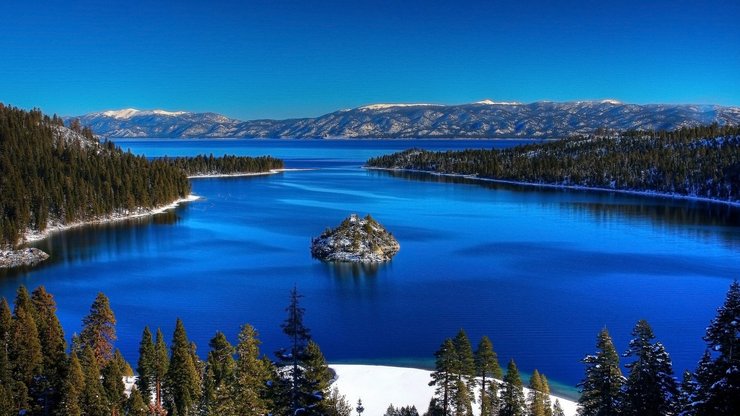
[540, 271]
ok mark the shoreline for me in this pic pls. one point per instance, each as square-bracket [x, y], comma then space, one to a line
[654, 194]
[379, 386]
[236, 175]
[33, 235]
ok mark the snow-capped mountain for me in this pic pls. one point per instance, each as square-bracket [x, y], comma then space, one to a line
[485, 118]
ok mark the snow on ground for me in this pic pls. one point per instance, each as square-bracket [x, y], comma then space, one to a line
[378, 386]
[35, 235]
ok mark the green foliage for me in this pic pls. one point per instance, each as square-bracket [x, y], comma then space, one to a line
[94, 400]
[536, 399]
[700, 161]
[44, 176]
[145, 366]
[224, 165]
[160, 368]
[113, 385]
[99, 330]
[252, 374]
[25, 350]
[182, 383]
[337, 404]
[444, 377]
[602, 385]
[70, 403]
[463, 390]
[135, 405]
[719, 379]
[401, 411]
[217, 399]
[650, 389]
[512, 393]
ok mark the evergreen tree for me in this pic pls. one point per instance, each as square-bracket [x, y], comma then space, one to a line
[219, 377]
[719, 393]
[53, 346]
[536, 397]
[25, 351]
[488, 370]
[114, 387]
[182, 383]
[160, 368]
[512, 393]
[317, 380]
[135, 405]
[99, 330]
[93, 399]
[464, 386]
[337, 404]
[70, 403]
[557, 409]
[6, 331]
[546, 395]
[686, 396]
[145, 366]
[291, 358]
[444, 376]
[252, 374]
[650, 389]
[601, 387]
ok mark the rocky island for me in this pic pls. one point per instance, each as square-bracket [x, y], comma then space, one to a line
[356, 240]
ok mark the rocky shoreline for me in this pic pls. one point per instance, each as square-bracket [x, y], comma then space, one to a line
[22, 257]
[356, 240]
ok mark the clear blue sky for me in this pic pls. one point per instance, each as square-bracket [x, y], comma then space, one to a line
[277, 59]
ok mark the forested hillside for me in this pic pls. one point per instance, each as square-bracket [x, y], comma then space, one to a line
[700, 161]
[224, 165]
[51, 173]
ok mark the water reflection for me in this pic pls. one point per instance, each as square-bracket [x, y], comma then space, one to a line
[347, 270]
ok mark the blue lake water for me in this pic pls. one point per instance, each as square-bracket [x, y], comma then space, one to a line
[540, 271]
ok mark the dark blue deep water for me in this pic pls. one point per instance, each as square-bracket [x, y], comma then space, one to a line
[540, 271]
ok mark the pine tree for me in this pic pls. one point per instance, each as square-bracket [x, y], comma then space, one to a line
[601, 387]
[219, 377]
[464, 386]
[252, 374]
[25, 350]
[317, 380]
[93, 399]
[53, 346]
[536, 400]
[70, 403]
[512, 393]
[145, 366]
[488, 370]
[99, 329]
[719, 394]
[160, 367]
[557, 409]
[546, 395]
[299, 336]
[686, 396]
[135, 405]
[443, 376]
[113, 386]
[6, 331]
[182, 383]
[337, 404]
[650, 388]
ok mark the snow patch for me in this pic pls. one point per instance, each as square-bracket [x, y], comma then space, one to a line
[385, 106]
[121, 114]
[491, 102]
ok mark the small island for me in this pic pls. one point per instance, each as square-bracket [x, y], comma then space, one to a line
[21, 257]
[356, 240]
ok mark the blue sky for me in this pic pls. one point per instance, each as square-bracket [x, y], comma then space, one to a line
[279, 59]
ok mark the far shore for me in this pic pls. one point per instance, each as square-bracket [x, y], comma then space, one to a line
[235, 175]
[379, 386]
[574, 187]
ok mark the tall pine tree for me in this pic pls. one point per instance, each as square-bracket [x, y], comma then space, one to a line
[488, 370]
[182, 383]
[251, 375]
[290, 359]
[53, 346]
[719, 388]
[99, 329]
[145, 366]
[443, 377]
[650, 389]
[160, 368]
[25, 352]
[602, 385]
[536, 399]
[218, 378]
[70, 403]
[464, 387]
[512, 393]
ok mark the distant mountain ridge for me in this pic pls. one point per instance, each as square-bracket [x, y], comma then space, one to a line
[482, 119]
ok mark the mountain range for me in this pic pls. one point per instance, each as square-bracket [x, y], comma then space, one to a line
[482, 119]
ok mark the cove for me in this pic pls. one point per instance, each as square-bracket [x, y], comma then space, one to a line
[540, 271]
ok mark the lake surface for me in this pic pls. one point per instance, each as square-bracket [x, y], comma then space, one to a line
[540, 271]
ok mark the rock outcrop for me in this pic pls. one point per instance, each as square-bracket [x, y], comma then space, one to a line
[357, 240]
[22, 257]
